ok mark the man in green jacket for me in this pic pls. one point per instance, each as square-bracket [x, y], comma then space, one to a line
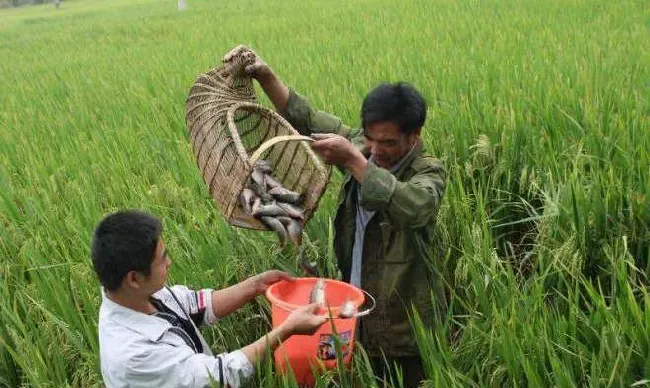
[386, 212]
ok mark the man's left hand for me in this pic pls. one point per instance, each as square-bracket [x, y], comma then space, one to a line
[334, 149]
[264, 280]
[337, 150]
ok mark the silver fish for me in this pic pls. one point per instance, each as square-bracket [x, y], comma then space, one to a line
[310, 268]
[285, 195]
[270, 210]
[294, 229]
[317, 294]
[276, 226]
[256, 183]
[262, 166]
[271, 183]
[256, 206]
[246, 198]
[259, 178]
[348, 309]
[292, 211]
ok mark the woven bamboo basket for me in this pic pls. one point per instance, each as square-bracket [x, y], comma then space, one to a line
[229, 131]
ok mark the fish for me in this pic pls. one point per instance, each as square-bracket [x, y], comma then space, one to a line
[270, 210]
[256, 206]
[276, 226]
[310, 268]
[262, 166]
[271, 183]
[285, 195]
[259, 178]
[317, 294]
[292, 211]
[294, 229]
[246, 197]
[256, 183]
[348, 309]
[277, 206]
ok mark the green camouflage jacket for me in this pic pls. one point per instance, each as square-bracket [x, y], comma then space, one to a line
[399, 252]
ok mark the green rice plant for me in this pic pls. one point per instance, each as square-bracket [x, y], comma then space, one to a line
[538, 109]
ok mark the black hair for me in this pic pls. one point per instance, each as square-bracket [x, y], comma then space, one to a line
[124, 241]
[399, 103]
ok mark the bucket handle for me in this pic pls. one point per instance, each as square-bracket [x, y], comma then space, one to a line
[278, 139]
[368, 310]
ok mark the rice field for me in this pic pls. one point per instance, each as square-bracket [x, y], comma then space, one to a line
[539, 108]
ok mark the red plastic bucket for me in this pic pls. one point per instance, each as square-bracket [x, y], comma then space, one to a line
[302, 352]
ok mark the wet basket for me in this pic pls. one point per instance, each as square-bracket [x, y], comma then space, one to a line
[229, 131]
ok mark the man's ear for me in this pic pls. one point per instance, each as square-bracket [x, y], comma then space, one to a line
[415, 135]
[132, 280]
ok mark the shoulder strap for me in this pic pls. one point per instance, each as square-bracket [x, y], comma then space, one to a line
[223, 383]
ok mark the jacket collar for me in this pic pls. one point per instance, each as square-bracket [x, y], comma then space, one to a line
[407, 160]
[147, 325]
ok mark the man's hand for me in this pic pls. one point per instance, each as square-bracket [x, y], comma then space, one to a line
[256, 67]
[264, 280]
[300, 321]
[337, 150]
[304, 320]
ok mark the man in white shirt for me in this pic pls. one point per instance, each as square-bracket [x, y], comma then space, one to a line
[148, 335]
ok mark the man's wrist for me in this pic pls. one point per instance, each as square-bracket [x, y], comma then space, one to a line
[278, 335]
[253, 286]
[266, 78]
[356, 166]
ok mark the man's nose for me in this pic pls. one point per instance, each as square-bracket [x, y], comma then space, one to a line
[374, 148]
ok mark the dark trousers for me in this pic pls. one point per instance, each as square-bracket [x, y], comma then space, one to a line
[410, 366]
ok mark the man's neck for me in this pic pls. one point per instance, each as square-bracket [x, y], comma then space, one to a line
[137, 303]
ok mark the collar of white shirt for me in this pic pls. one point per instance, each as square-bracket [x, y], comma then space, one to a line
[148, 325]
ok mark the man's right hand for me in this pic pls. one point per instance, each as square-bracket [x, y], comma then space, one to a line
[256, 67]
[304, 320]
[274, 88]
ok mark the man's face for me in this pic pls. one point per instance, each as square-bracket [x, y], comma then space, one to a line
[387, 144]
[159, 268]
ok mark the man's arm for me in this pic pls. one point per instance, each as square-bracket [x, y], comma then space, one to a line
[167, 364]
[171, 363]
[300, 321]
[307, 120]
[274, 88]
[294, 107]
[229, 299]
[409, 204]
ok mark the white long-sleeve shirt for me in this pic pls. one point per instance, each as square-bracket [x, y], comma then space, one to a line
[140, 350]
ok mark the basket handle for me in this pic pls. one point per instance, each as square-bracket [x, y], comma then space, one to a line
[271, 142]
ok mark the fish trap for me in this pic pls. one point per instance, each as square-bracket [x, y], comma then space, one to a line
[229, 131]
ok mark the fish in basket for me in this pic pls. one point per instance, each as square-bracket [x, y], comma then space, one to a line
[261, 173]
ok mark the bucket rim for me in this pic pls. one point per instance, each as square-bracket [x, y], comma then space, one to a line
[292, 306]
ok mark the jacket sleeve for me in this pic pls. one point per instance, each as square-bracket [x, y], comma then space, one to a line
[197, 304]
[409, 204]
[307, 120]
[178, 366]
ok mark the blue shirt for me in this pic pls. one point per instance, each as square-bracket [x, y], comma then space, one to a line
[363, 218]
